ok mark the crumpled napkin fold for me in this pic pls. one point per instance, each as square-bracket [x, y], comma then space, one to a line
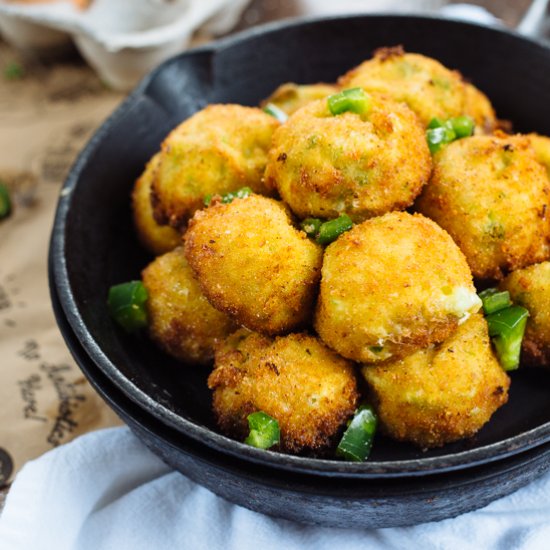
[105, 490]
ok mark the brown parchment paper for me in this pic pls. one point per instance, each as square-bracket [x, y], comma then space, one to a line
[45, 119]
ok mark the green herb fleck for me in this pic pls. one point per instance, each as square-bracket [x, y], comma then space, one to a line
[14, 71]
[5, 201]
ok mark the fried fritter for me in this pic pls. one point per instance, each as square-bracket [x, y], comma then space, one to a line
[310, 390]
[181, 321]
[156, 238]
[290, 97]
[360, 164]
[478, 106]
[530, 288]
[443, 393]
[424, 84]
[253, 264]
[219, 149]
[493, 197]
[390, 286]
[541, 145]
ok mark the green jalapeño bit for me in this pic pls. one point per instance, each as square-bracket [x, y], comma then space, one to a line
[226, 198]
[264, 431]
[441, 132]
[14, 71]
[436, 123]
[354, 100]
[356, 443]
[241, 193]
[331, 230]
[506, 328]
[126, 303]
[5, 202]
[311, 226]
[463, 126]
[437, 137]
[274, 111]
[494, 301]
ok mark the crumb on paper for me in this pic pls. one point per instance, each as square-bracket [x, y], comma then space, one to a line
[13, 71]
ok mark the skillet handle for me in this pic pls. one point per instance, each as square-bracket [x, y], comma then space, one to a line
[532, 23]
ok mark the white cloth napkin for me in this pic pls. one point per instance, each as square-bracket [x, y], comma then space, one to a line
[105, 490]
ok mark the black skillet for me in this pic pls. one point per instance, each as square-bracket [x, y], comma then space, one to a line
[93, 245]
[328, 501]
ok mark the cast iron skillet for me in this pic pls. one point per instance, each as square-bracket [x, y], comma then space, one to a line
[331, 502]
[93, 245]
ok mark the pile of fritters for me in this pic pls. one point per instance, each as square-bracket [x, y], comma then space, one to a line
[388, 312]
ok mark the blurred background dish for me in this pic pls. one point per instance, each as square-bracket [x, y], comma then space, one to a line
[121, 40]
[124, 40]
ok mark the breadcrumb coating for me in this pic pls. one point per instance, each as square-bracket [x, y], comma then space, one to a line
[443, 393]
[530, 288]
[296, 379]
[219, 149]
[254, 265]
[181, 320]
[493, 197]
[390, 286]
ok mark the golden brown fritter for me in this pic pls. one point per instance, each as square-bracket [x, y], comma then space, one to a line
[424, 84]
[390, 286]
[530, 288]
[156, 238]
[219, 149]
[362, 165]
[310, 390]
[493, 197]
[290, 97]
[541, 145]
[478, 106]
[253, 264]
[181, 321]
[442, 393]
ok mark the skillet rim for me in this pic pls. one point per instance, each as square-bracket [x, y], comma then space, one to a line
[60, 281]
